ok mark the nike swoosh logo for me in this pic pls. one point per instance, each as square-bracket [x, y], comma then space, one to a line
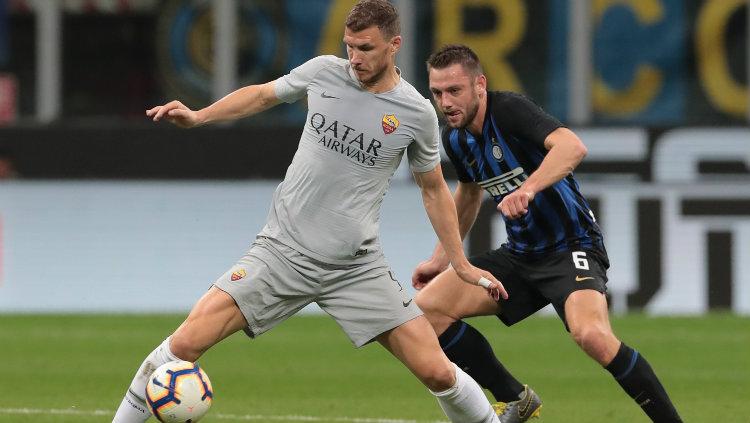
[406, 303]
[324, 95]
[581, 279]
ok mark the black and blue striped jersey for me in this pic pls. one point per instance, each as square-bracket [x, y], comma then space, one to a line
[511, 148]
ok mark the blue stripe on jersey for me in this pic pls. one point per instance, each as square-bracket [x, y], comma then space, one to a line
[459, 152]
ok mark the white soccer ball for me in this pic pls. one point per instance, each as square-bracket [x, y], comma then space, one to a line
[179, 392]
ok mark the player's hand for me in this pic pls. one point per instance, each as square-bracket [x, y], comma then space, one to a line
[176, 113]
[515, 204]
[476, 276]
[425, 272]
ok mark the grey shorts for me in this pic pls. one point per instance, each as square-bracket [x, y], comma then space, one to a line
[272, 281]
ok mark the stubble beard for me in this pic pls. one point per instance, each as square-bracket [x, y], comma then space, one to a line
[468, 117]
[375, 78]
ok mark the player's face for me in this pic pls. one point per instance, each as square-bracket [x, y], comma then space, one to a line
[457, 94]
[370, 54]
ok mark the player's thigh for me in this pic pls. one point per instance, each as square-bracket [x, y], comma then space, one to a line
[214, 317]
[269, 284]
[566, 273]
[366, 301]
[448, 295]
[415, 344]
[587, 308]
[524, 299]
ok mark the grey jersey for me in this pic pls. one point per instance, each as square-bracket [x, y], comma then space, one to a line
[328, 205]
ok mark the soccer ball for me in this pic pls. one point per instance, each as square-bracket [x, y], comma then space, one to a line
[179, 392]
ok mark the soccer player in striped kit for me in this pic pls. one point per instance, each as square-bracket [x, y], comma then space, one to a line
[503, 143]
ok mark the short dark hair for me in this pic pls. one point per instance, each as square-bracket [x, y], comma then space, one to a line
[380, 13]
[451, 54]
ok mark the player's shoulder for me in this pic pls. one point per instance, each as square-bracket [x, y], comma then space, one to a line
[502, 100]
[328, 61]
[414, 100]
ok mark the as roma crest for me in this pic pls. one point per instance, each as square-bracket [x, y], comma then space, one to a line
[390, 123]
[238, 274]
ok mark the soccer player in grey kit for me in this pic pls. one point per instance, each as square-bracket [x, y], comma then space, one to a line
[320, 243]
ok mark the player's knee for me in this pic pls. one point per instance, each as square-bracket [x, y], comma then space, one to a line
[184, 347]
[432, 312]
[425, 303]
[439, 378]
[593, 339]
[428, 306]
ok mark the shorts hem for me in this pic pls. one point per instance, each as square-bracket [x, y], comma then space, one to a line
[251, 330]
[385, 328]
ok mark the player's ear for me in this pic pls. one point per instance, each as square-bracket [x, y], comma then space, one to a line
[480, 83]
[395, 44]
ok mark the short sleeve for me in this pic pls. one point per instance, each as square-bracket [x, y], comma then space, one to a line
[521, 117]
[424, 152]
[293, 86]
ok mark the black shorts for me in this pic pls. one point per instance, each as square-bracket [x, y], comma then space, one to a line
[532, 283]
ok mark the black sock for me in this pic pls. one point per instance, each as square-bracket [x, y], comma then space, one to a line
[466, 347]
[636, 377]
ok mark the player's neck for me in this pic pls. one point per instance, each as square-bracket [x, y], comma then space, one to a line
[385, 83]
[477, 124]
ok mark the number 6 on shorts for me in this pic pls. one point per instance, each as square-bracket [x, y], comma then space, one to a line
[580, 261]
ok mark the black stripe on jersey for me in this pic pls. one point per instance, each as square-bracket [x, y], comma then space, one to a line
[568, 218]
[461, 172]
[525, 235]
[521, 155]
[583, 203]
[474, 162]
[532, 152]
[542, 220]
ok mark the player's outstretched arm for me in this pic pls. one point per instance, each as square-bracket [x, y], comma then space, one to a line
[243, 102]
[441, 210]
[566, 151]
[468, 199]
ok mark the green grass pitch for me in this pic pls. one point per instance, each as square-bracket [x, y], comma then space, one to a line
[75, 368]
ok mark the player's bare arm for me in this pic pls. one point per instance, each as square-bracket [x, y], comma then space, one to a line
[441, 210]
[241, 103]
[468, 198]
[566, 151]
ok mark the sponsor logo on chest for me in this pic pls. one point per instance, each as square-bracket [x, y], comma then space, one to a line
[505, 183]
[346, 140]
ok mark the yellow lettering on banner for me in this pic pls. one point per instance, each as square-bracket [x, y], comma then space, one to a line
[493, 46]
[648, 79]
[333, 29]
[647, 11]
[722, 90]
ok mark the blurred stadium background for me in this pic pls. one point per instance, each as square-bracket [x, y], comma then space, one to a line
[102, 211]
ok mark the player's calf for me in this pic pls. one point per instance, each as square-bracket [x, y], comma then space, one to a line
[636, 377]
